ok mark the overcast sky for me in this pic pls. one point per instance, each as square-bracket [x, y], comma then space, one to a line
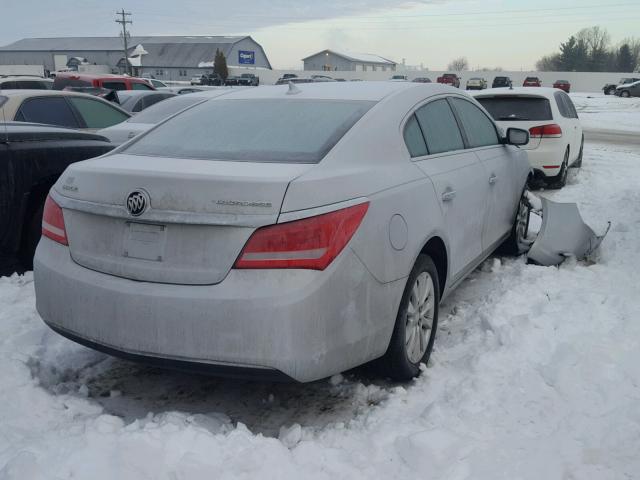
[512, 34]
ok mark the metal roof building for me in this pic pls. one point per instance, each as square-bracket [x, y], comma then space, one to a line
[330, 60]
[165, 57]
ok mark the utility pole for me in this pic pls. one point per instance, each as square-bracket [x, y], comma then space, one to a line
[123, 21]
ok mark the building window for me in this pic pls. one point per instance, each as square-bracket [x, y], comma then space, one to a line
[373, 68]
[384, 68]
[364, 68]
[159, 72]
[182, 73]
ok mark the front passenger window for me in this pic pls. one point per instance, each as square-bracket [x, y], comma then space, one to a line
[439, 127]
[480, 130]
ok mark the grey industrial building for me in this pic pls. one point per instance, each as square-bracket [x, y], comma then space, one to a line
[164, 57]
[330, 60]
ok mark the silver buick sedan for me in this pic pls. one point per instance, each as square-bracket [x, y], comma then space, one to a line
[283, 232]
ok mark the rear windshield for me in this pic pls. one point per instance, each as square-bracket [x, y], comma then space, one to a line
[517, 108]
[162, 110]
[264, 130]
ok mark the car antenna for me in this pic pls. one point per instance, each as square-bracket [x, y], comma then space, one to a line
[293, 90]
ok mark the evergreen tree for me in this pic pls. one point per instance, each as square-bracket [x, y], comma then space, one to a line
[626, 62]
[220, 64]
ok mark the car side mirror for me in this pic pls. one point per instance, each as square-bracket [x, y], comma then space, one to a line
[517, 136]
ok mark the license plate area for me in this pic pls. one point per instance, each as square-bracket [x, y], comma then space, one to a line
[145, 241]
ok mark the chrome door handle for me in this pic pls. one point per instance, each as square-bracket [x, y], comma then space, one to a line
[493, 179]
[448, 195]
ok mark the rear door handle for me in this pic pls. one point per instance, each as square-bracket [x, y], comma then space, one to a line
[493, 179]
[448, 195]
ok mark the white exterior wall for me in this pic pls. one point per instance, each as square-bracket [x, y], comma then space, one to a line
[37, 70]
[580, 81]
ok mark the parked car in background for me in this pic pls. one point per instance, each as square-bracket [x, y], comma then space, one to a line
[562, 85]
[25, 83]
[32, 157]
[629, 90]
[399, 78]
[106, 81]
[196, 80]
[134, 101]
[148, 118]
[60, 108]
[157, 83]
[532, 82]
[552, 121]
[610, 88]
[284, 77]
[245, 79]
[476, 83]
[449, 79]
[212, 80]
[501, 82]
[291, 236]
[421, 80]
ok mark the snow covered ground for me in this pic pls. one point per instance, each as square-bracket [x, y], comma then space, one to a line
[535, 375]
[600, 111]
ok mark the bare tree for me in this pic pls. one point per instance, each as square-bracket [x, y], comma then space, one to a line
[459, 64]
[548, 63]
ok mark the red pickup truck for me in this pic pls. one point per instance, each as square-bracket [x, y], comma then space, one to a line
[450, 79]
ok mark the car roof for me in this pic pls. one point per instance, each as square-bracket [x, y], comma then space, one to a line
[517, 91]
[25, 131]
[122, 94]
[25, 93]
[24, 77]
[370, 90]
[99, 75]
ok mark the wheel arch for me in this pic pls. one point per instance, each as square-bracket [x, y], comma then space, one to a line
[436, 248]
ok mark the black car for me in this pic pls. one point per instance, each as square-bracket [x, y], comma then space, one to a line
[32, 157]
[501, 82]
[246, 79]
[212, 79]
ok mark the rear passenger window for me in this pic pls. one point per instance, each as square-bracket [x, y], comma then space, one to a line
[114, 85]
[140, 86]
[50, 110]
[97, 114]
[565, 105]
[414, 139]
[480, 130]
[439, 127]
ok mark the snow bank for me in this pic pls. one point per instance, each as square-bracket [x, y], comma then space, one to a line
[598, 111]
[535, 375]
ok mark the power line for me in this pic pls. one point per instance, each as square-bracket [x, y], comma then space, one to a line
[123, 21]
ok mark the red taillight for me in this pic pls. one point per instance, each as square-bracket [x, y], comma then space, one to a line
[310, 243]
[53, 222]
[546, 131]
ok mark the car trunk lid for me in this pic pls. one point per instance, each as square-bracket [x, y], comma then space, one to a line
[199, 214]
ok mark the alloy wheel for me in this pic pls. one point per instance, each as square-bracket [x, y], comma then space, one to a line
[420, 313]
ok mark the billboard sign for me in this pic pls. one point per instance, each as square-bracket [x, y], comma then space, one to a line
[246, 57]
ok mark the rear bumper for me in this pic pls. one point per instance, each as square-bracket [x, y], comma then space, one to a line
[546, 159]
[304, 324]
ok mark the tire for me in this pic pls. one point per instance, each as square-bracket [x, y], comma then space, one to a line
[578, 162]
[625, 94]
[406, 352]
[517, 242]
[560, 180]
[32, 234]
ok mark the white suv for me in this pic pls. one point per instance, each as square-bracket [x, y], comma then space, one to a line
[554, 128]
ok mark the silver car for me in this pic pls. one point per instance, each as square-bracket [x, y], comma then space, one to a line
[285, 231]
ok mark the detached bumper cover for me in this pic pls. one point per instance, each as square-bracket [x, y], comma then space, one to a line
[563, 234]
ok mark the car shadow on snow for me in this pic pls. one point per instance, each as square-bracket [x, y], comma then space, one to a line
[133, 391]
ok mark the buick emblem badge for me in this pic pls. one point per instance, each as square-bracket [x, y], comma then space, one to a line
[137, 202]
